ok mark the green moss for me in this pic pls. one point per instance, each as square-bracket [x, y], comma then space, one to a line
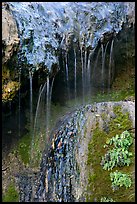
[123, 88]
[11, 194]
[99, 183]
[23, 148]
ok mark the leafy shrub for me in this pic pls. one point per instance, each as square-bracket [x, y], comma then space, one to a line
[123, 140]
[118, 156]
[120, 179]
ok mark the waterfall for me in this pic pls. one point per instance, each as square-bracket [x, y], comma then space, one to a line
[82, 67]
[41, 90]
[67, 75]
[95, 65]
[19, 99]
[88, 77]
[31, 111]
[75, 75]
[51, 90]
[110, 65]
[31, 98]
[102, 72]
[103, 63]
[85, 71]
[47, 108]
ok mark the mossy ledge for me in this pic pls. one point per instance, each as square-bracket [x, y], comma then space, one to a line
[99, 183]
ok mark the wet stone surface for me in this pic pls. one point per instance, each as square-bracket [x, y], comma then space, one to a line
[63, 172]
[58, 177]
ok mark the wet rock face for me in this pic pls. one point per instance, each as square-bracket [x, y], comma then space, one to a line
[63, 175]
[45, 27]
[10, 39]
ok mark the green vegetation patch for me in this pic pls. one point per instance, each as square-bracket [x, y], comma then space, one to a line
[24, 147]
[11, 194]
[99, 181]
[120, 179]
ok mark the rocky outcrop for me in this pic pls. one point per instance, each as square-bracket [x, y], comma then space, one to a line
[93, 117]
[63, 175]
[10, 38]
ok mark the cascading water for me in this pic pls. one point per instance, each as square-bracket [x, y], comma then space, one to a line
[31, 110]
[111, 71]
[47, 109]
[82, 71]
[103, 63]
[96, 63]
[75, 75]
[44, 29]
[85, 70]
[19, 100]
[67, 76]
[102, 72]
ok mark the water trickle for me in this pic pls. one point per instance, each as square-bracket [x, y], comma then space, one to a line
[41, 90]
[88, 75]
[102, 72]
[75, 74]
[47, 109]
[95, 64]
[31, 100]
[82, 71]
[85, 71]
[31, 109]
[39, 25]
[67, 75]
[111, 67]
[103, 63]
[19, 100]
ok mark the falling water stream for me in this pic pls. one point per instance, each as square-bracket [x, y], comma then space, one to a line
[47, 27]
[19, 99]
[67, 75]
[31, 110]
[111, 69]
[75, 74]
[103, 63]
[82, 71]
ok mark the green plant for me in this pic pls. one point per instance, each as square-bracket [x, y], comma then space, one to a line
[116, 157]
[120, 179]
[123, 140]
[106, 199]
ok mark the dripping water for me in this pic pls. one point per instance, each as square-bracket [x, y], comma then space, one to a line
[31, 98]
[96, 63]
[67, 76]
[110, 65]
[85, 70]
[47, 108]
[88, 77]
[82, 66]
[31, 111]
[75, 74]
[19, 99]
[50, 95]
[103, 63]
[102, 73]
[41, 90]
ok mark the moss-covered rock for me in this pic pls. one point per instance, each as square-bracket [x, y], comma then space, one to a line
[99, 183]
